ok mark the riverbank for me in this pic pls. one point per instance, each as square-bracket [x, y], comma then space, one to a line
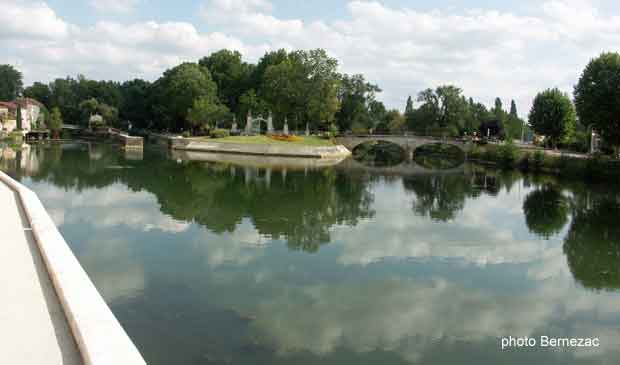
[512, 157]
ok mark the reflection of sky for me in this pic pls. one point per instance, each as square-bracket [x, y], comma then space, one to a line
[396, 282]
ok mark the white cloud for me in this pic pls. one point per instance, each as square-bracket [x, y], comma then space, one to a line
[112, 206]
[22, 20]
[114, 6]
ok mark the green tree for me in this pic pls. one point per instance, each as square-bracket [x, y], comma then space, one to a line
[442, 107]
[355, 96]
[396, 122]
[251, 102]
[409, 106]
[10, 82]
[92, 106]
[597, 97]
[175, 92]
[40, 92]
[499, 107]
[231, 75]
[513, 109]
[322, 89]
[553, 116]
[55, 122]
[135, 106]
[206, 112]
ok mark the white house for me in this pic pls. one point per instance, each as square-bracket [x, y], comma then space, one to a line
[30, 111]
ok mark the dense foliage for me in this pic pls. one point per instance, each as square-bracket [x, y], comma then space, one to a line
[553, 116]
[597, 97]
[445, 111]
[10, 82]
[302, 87]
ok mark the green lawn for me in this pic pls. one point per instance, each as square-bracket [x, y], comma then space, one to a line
[305, 141]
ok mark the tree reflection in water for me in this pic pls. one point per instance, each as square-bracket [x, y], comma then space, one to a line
[546, 211]
[592, 245]
[301, 208]
[291, 205]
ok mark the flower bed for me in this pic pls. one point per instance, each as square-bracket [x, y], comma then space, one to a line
[284, 138]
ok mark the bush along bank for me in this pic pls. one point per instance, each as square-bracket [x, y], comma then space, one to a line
[509, 156]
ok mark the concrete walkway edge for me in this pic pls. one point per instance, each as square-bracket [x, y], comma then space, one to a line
[100, 338]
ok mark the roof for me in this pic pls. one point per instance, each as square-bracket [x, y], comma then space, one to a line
[24, 102]
[8, 104]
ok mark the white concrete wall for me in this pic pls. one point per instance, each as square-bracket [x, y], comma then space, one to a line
[100, 338]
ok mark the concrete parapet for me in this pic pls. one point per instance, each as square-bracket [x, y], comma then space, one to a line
[100, 338]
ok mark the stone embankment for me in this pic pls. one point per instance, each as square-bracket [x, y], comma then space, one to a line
[276, 150]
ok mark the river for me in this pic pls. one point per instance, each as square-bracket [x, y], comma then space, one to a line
[270, 262]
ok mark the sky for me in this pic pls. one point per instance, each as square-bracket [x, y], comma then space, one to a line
[509, 49]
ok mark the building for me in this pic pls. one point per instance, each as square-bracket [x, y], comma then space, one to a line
[8, 112]
[30, 111]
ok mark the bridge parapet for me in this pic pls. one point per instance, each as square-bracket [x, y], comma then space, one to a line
[405, 142]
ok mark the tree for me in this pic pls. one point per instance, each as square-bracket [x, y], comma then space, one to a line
[597, 97]
[92, 106]
[499, 108]
[55, 122]
[135, 106]
[513, 109]
[10, 82]
[443, 107]
[322, 89]
[175, 92]
[231, 75]
[40, 92]
[19, 121]
[409, 106]
[553, 115]
[251, 102]
[355, 95]
[396, 122]
[206, 112]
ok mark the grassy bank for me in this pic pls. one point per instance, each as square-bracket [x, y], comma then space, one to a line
[510, 156]
[304, 141]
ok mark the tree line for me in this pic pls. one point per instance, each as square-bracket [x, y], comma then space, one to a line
[301, 87]
[446, 111]
[305, 88]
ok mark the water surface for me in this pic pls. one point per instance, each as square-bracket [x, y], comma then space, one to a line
[275, 263]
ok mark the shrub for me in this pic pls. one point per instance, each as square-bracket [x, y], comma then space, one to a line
[219, 133]
[186, 134]
[507, 154]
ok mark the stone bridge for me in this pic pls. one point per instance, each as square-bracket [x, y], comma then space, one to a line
[408, 143]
